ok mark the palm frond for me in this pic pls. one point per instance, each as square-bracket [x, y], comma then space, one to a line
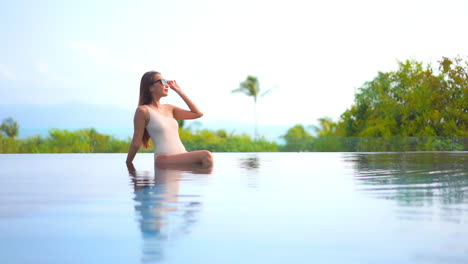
[266, 92]
[249, 87]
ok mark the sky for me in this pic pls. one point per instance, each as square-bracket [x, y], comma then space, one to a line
[313, 55]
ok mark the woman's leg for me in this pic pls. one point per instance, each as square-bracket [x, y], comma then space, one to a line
[203, 157]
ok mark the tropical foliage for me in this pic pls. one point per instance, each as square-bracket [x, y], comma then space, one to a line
[65, 141]
[221, 141]
[10, 127]
[90, 141]
[251, 87]
[297, 139]
[413, 108]
[413, 101]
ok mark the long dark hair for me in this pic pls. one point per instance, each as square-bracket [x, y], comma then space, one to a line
[146, 98]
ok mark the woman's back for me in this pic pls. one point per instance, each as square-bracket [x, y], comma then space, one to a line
[164, 132]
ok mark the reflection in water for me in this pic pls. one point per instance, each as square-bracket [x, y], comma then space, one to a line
[415, 179]
[163, 212]
[251, 164]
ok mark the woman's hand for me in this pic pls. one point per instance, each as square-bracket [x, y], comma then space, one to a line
[131, 168]
[179, 113]
[174, 86]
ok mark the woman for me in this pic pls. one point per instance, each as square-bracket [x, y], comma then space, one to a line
[158, 121]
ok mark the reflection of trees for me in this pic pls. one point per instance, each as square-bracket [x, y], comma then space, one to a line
[161, 215]
[414, 178]
[251, 164]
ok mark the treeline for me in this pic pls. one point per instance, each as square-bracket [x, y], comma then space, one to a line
[415, 108]
[414, 101]
[65, 141]
[296, 140]
[90, 141]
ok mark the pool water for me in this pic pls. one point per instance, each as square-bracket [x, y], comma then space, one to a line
[250, 208]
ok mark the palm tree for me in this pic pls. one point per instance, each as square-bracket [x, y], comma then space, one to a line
[251, 87]
[326, 127]
[10, 127]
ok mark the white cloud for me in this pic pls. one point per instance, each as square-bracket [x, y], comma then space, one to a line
[107, 58]
[88, 48]
[317, 53]
[42, 67]
[6, 73]
[45, 70]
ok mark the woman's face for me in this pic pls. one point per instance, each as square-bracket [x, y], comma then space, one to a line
[159, 87]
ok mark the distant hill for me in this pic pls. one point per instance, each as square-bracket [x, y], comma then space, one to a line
[108, 119]
[72, 115]
[38, 119]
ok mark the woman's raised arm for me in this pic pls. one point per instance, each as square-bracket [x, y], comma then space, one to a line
[181, 113]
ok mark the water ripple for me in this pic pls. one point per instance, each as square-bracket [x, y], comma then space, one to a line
[416, 179]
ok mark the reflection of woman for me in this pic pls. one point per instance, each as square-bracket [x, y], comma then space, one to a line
[156, 201]
[156, 120]
[155, 197]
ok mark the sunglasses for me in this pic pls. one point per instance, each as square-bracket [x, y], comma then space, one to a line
[163, 81]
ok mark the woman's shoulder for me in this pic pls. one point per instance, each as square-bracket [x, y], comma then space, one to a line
[142, 110]
[168, 107]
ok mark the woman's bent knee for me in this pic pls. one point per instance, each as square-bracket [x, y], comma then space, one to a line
[161, 158]
[207, 158]
[202, 156]
[205, 154]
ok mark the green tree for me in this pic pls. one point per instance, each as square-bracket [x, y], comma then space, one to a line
[221, 141]
[181, 123]
[297, 139]
[413, 101]
[326, 127]
[251, 87]
[10, 127]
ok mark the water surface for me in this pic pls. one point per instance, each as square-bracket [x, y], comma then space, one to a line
[251, 208]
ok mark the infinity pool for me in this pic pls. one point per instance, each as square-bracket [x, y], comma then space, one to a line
[251, 208]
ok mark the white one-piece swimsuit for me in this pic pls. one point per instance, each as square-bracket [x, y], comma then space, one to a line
[164, 131]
